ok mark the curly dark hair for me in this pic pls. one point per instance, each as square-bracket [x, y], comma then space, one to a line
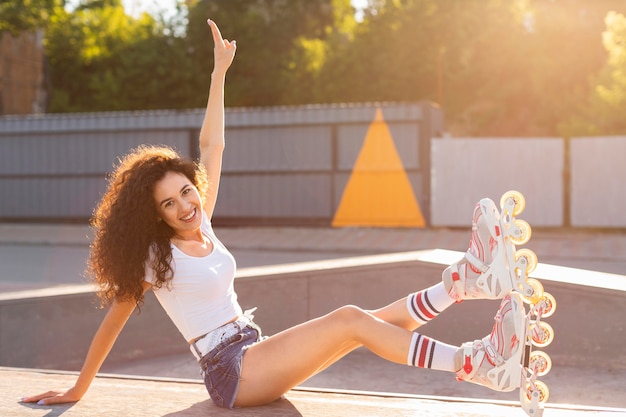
[128, 234]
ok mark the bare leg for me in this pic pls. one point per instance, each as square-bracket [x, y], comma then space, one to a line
[272, 367]
[395, 313]
[423, 306]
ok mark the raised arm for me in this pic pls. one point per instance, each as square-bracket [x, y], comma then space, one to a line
[212, 131]
[101, 345]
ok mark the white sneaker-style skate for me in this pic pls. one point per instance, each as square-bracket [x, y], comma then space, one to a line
[503, 360]
[492, 267]
[494, 361]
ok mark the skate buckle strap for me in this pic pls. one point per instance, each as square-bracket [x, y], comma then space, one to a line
[492, 354]
[477, 263]
[457, 285]
[467, 365]
[469, 370]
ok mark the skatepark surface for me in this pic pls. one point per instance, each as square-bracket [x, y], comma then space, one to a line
[43, 256]
[122, 396]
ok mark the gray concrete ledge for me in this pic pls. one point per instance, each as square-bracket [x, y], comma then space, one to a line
[120, 396]
[52, 329]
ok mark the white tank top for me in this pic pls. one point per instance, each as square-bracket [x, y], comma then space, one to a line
[201, 295]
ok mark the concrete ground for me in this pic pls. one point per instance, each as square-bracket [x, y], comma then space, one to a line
[363, 371]
[36, 256]
[137, 397]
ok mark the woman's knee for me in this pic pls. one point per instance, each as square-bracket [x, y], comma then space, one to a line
[350, 316]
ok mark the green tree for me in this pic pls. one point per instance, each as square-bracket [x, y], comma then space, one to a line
[531, 67]
[281, 45]
[310, 54]
[609, 98]
[26, 15]
[497, 67]
[415, 50]
[102, 59]
[519, 67]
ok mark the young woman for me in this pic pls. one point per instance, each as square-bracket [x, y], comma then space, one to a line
[153, 232]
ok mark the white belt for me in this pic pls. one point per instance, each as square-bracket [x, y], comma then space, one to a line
[204, 344]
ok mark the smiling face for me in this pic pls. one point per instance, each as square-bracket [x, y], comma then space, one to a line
[178, 203]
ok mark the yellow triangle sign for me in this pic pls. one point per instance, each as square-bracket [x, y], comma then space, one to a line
[378, 192]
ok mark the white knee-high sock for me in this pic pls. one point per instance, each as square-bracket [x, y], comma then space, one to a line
[425, 352]
[427, 304]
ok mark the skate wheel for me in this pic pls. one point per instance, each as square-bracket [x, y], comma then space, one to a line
[549, 305]
[523, 234]
[540, 363]
[540, 389]
[537, 292]
[520, 201]
[542, 334]
[531, 259]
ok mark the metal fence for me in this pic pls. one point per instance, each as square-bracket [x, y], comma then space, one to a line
[281, 165]
[568, 182]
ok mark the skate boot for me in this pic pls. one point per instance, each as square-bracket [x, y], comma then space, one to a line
[503, 360]
[492, 267]
[494, 361]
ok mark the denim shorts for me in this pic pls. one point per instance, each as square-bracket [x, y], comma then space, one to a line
[221, 367]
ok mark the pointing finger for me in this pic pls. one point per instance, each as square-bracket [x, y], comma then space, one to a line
[217, 35]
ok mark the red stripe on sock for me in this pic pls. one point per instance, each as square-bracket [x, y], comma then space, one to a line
[423, 352]
[422, 307]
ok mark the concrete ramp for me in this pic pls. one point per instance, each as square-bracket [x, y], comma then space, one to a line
[588, 324]
[124, 396]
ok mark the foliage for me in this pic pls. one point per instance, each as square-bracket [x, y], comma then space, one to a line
[103, 59]
[497, 67]
[26, 15]
[281, 44]
[610, 93]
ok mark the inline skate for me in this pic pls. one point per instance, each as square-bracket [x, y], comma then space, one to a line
[492, 266]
